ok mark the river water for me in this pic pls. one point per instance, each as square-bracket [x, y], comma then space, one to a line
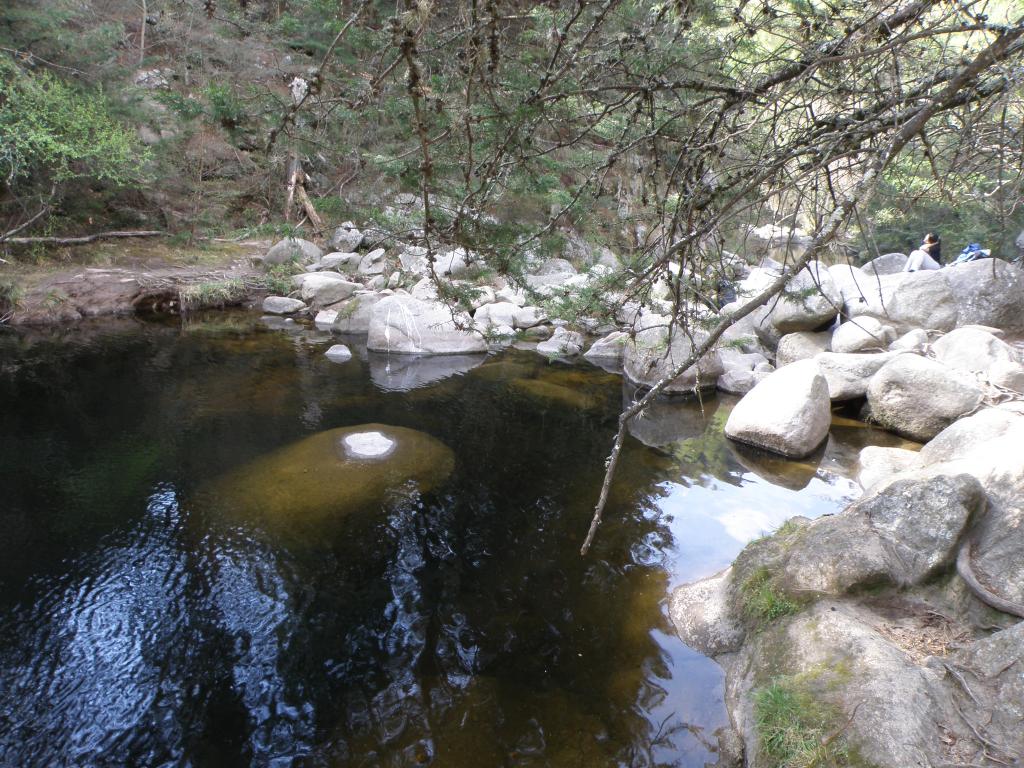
[158, 606]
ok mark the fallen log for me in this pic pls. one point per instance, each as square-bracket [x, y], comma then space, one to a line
[80, 240]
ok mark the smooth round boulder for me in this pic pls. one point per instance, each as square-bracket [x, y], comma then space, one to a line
[862, 334]
[918, 398]
[973, 350]
[292, 249]
[789, 412]
[332, 473]
[810, 300]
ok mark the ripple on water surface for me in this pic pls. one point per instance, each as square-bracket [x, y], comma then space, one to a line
[201, 568]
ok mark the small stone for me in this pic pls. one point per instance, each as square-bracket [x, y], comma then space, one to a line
[367, 445]
[338, 353]
[282, 305]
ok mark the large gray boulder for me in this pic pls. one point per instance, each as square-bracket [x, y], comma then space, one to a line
[408, 326]
[563, 343]
[321, 289]
[292, 249]
[909, 300]
[654, 353]
[608, 348]
[851, 281]
[498, 313]
[789, 412]
[988, 292]
[810, 300]
[973, 350]
[282, 305]
[862, 334]
[848, 375]
[743, 370]
[703, 615]
[552, 272]
[372, 263]
[989, 446]
[346, 238]
[802, 345]
[354, 314]
[918, 398]
[886, 264]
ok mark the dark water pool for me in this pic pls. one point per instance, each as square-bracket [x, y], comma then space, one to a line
[142, 624]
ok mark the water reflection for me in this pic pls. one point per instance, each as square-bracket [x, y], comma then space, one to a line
[140, 625]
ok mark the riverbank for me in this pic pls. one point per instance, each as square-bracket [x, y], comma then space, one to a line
[124, 278]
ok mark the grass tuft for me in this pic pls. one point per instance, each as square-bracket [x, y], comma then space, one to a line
[219, 293]
[796, 730]
[762, 601]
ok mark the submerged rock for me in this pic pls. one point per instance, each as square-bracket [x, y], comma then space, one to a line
[332, 473]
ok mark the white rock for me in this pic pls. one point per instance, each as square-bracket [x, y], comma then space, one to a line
[404, 325]
[323, 292]
[354, 314]
[848, 374]
[862, 334]
[912, 341]
[563, 343]
[372, 263]
[788, 413]
[802, 345]
[527, 317]
[650, 357]
[338, 353]
[500, 313]
[1008, 375]
[973, 350]
[325, 319]
[292, 249]
[368, 445]
[611, 347]
[346, 238]
[811, 299]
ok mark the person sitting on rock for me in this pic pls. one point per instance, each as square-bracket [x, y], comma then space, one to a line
[926, 256]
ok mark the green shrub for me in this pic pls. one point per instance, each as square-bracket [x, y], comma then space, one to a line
[50, 131]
